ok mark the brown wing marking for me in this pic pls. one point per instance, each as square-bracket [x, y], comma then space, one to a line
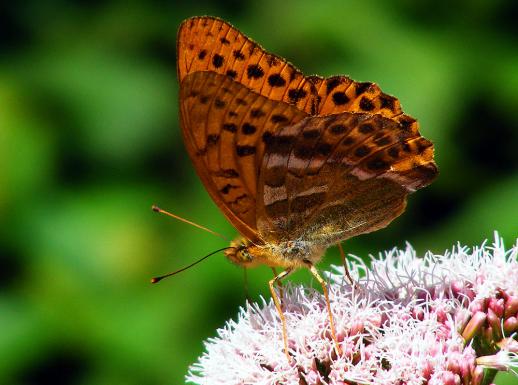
[341, 94]
[349, 173]
[211, 44]
[225, 128]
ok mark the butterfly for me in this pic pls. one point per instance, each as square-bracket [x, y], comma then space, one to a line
[296, 163]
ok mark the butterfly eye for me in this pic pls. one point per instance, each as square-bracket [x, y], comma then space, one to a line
[245, 255]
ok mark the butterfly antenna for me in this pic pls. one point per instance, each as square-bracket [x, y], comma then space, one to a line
[157, 209]
[158, 279]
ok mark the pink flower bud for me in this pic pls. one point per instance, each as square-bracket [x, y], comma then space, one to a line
[474, 325]
[511, 325]
[477, 376]
[511, 306]
[497, 306]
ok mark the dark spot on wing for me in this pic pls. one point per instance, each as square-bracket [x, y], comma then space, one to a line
[304, 202]
[227, 173]
[304, 151]
[245, 150]
[257, 113]
[388, 102]
[340, 98]
[280, 144]
[311, 134]
[275, 176]
[202, 54]
[231, 127]
[406, 122]
[219, 104]
[276, 80]
[348, 141]
[338, 129]
[251, 47]
[377, 164]
[248, 129]
[212, 139]
[366, 104]
[362, 87]
[324, 149]
[366, 128]
[422, 144]
[296, 94]
[362, 151]
[224, 41]
[226, 189]
[217, 60]
[254, 71]
[278, 118]
[238, 55]
[383, 141]
[272, 60]
[267, 138]
[393, 152]
[332, 83]
[231, 74]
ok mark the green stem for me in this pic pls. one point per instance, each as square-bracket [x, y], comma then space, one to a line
[489, 376]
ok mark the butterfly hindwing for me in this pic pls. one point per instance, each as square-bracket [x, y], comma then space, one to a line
[340, 175]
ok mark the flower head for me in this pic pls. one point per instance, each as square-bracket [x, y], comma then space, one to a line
[441, 319]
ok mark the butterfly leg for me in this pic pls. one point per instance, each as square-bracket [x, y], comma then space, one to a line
[245, 282]
[279, 284]
[277, 303]
[344, 262]
[323, 283]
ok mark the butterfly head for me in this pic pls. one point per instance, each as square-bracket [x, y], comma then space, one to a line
[245, 253]
[239, 252]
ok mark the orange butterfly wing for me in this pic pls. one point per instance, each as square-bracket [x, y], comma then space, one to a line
[225, 127]
[276, 172]
[211, 44]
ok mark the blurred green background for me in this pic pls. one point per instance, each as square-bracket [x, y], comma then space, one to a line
[89, 139]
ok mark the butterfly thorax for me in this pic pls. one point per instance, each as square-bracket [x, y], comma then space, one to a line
[284, 254]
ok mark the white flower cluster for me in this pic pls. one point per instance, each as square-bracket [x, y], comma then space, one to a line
[435, 320]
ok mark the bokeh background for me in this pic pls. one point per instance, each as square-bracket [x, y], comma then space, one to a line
[89, 139]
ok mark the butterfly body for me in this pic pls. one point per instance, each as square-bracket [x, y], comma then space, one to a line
[287, 254]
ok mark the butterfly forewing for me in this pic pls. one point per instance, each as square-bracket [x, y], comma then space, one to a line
[211, 44]
[225, 128]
